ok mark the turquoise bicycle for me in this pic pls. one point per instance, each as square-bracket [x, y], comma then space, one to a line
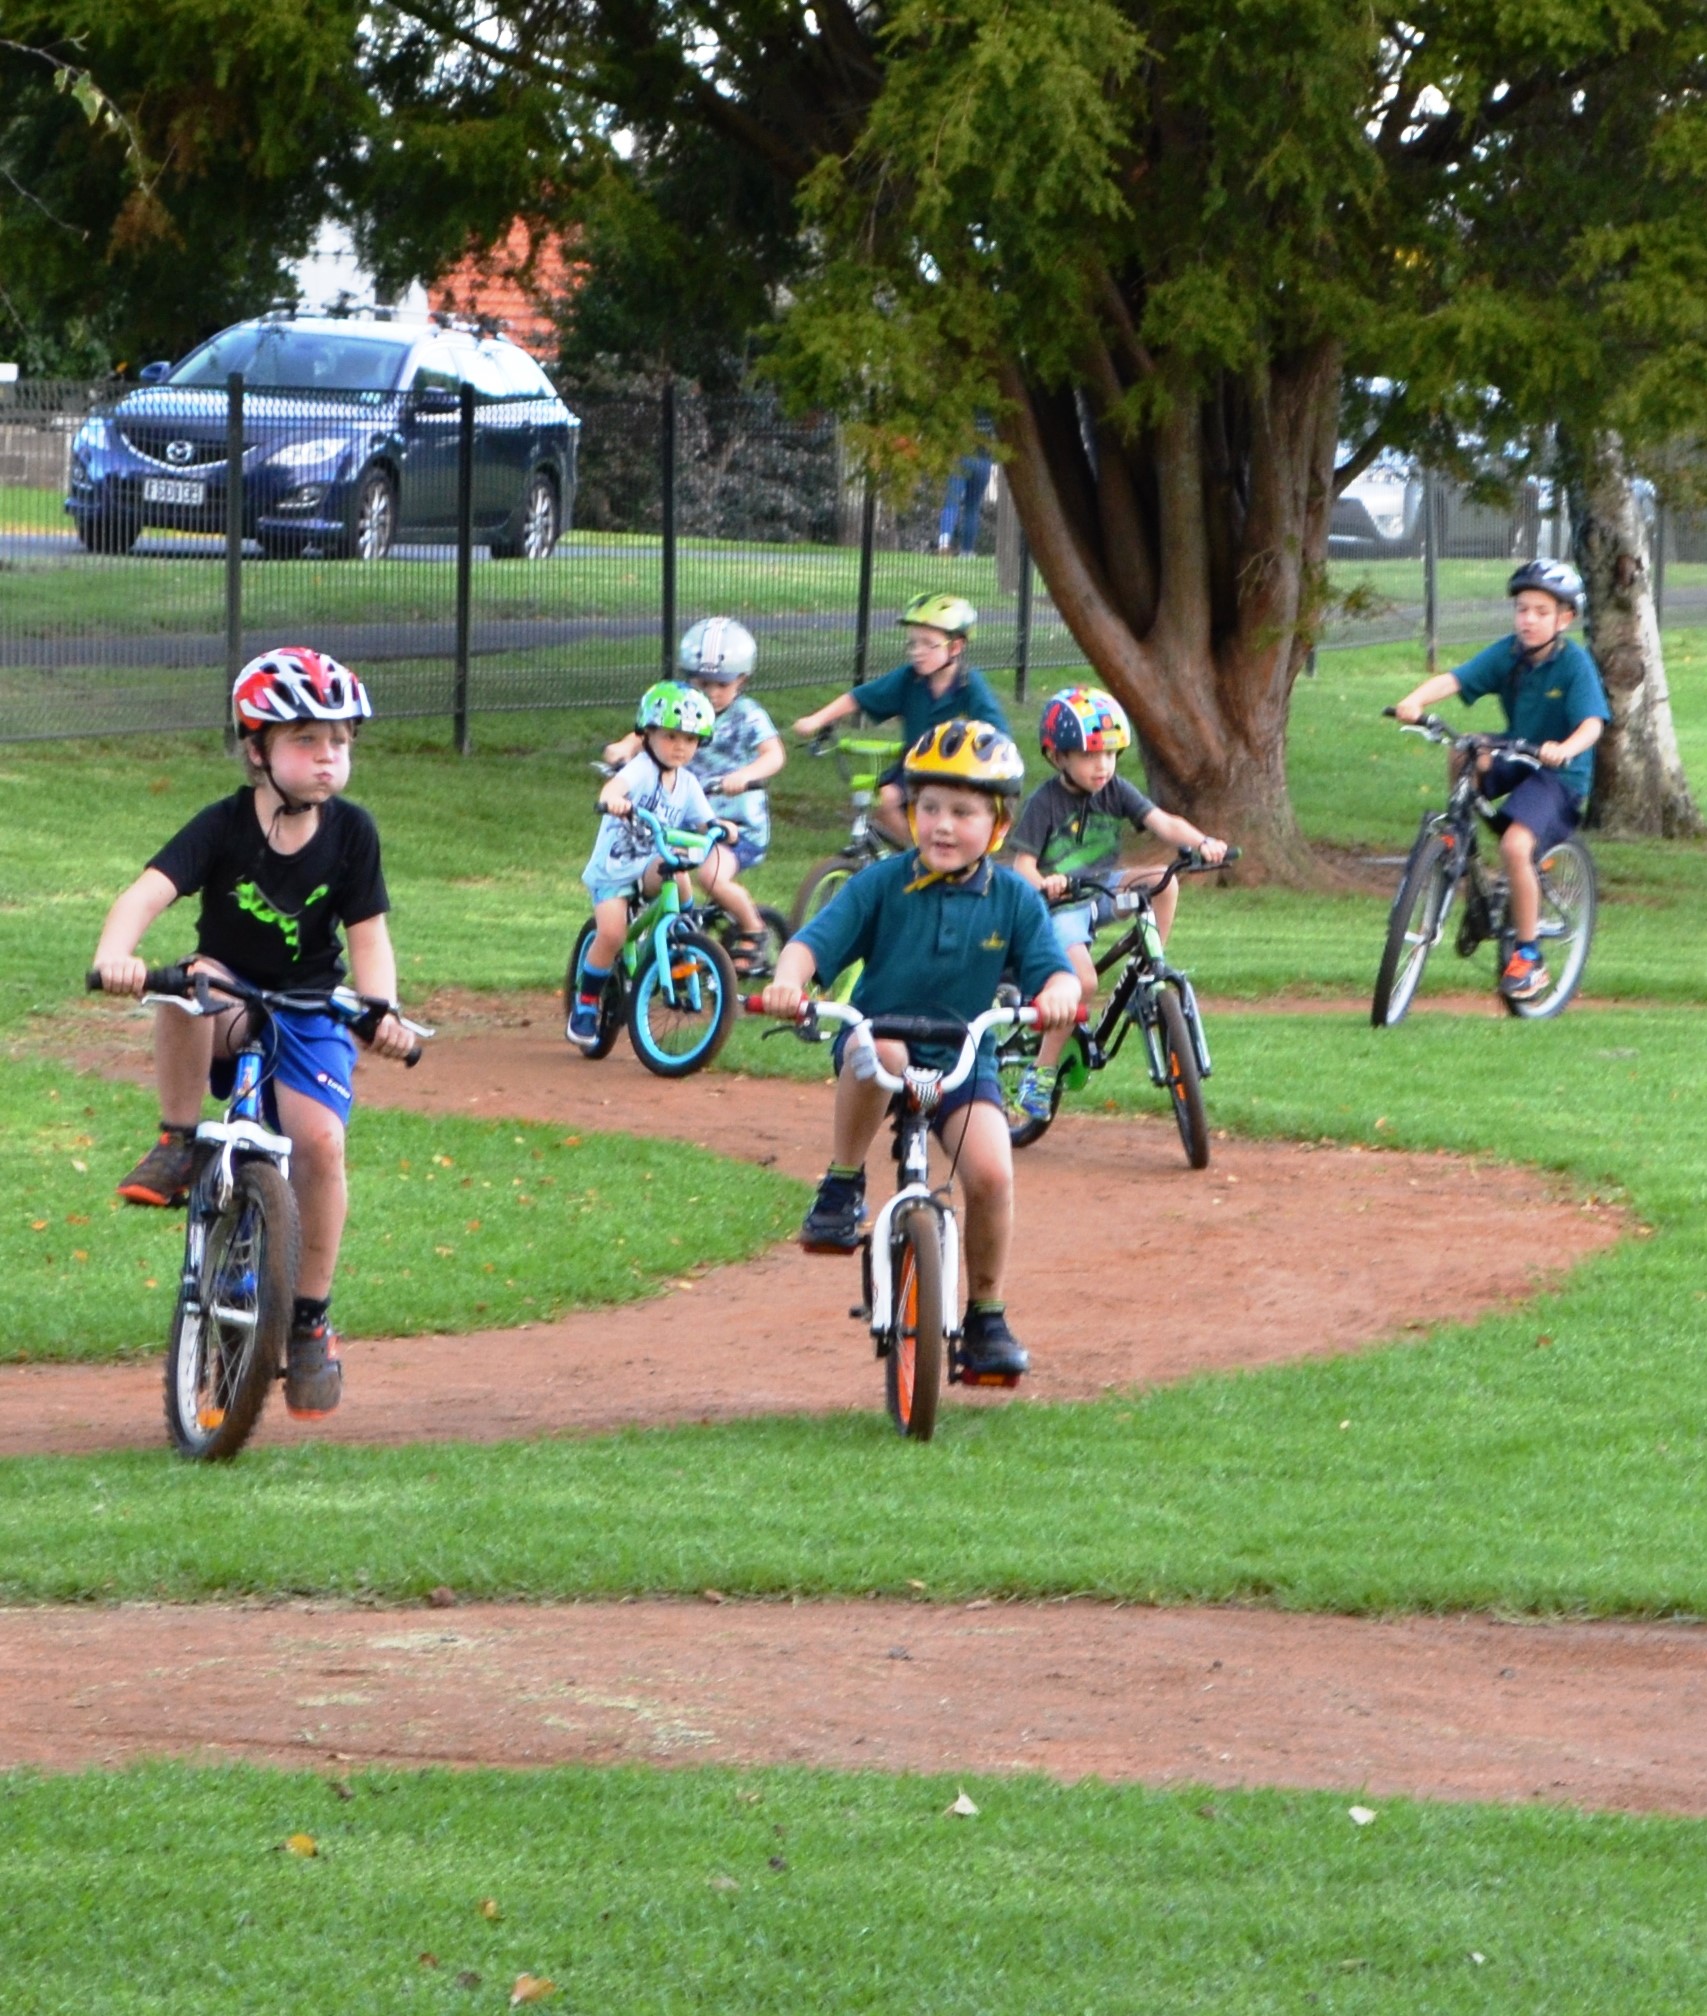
[672, 983]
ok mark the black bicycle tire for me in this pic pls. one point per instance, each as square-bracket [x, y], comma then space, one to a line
[260, 1186]
[1395, 982]
[610, 1001]
[1569, 978]
[1185, 1088]
[1015, 1054]
[913, 1364]
[670, 1064]
[838, 868]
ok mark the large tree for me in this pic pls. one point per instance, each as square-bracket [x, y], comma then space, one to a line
[1158, 239]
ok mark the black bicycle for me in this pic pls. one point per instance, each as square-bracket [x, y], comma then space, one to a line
[242, 1236]
[1150, 995]
[1445, 872]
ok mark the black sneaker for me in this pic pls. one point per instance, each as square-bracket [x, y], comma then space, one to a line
[989, 1349]
[314, 1371]
[164, 1174]
[834, 1223]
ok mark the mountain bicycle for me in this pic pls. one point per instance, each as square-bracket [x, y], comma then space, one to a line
[862, 760]
[910, 1253]
[673, 982]
[231, 1322]
[1445, 865]
[1150, 995]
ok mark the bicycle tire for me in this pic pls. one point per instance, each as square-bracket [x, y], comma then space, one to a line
[1569, 901]
[1016, 1052]
[223, 1355]
[1414, 926]
[773, 930]
[673, 1038]
[912, 1367]
[1185, 1087]
[819, 885]
[610, 1001]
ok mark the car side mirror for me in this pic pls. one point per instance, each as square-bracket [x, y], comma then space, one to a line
[436, 399]
[154, 374]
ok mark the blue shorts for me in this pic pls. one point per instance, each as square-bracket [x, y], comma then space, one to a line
[604, 892]
[747, 852]
[312, 1054]
[1536, 799]
[1079, 922]
[981, 1084]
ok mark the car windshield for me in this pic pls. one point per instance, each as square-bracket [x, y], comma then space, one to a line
[281, 354]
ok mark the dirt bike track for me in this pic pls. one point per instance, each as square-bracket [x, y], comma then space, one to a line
[1286, 1244]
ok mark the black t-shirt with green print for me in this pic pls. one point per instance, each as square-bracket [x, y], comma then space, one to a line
[273, 918]
[1078, 832]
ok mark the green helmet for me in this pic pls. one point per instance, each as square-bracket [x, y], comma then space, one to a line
[679, 709]
[950, 613]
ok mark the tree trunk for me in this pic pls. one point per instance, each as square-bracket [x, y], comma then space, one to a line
[1185, 559]
[1639, 785]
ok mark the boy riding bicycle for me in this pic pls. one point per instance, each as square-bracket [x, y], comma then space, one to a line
[936, 685]
[1550, 691]
[936, 927]
[1069, 830]
[717, 657]
[280, 864]
[673, 722]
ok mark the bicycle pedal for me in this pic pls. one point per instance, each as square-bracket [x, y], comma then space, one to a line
[989, 1378]
[860, 1313]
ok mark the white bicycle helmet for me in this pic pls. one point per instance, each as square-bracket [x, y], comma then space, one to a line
[717, 648]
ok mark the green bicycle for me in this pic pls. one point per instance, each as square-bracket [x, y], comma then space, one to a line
[673, 983]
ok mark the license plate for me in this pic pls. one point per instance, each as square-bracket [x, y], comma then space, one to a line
[160, 490]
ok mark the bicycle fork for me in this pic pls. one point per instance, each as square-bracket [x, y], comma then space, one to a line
[878, 1270]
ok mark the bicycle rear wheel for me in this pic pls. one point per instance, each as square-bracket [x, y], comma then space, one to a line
[233, 1316]
[610, 1001]
[1180, 1075]
[1568, 905]
[912, 1369]
[1414, 926]
[674, 1037]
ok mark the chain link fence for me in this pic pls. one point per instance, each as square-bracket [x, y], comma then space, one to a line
[473, 554]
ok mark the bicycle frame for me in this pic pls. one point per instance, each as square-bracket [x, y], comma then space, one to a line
[650, 929]
[1146, 971]
[912, 1124]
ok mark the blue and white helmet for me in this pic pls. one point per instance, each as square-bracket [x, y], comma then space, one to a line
[1557, 578]
[717, 648]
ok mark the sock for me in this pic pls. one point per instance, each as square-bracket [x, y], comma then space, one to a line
[839, 1172]
[986, 1308]
[176, 1132]
[1528, 949]
[593, 980]
[309, 1310]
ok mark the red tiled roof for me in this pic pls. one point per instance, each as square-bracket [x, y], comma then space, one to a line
[499, 283]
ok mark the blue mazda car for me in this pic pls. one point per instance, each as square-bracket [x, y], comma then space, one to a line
[351, 434]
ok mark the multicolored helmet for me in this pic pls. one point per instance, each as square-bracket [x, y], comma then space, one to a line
[676, 708]
[717, 648]
[952, 614]
[293, 683]
[1083, 721]
[1557, 578]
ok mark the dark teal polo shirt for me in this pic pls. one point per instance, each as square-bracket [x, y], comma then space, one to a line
[1544, 702]
[903, 696]
[938, 950]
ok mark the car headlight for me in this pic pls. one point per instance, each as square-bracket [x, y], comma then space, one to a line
[92, 434]
[309, 454]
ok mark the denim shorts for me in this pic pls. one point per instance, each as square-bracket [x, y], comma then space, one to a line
[1080, 922]
[312, 1054]
[605, 892]
[747, 852]
[1536, 799]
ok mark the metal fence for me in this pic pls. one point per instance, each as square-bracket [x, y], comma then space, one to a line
[148, 547]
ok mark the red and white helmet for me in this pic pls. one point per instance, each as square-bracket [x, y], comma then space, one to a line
[293, 683]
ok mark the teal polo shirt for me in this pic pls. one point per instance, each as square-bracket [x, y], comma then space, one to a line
[902, 695]
[938, 950]
[1543, 702]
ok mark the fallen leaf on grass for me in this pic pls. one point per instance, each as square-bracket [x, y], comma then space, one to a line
[489, 1910]
[711, 1595]
[427, 1959]
[301, 1844]
[1361, 1814]
[722, 1883]
[531, 1988]
[441, 1598]
[468, 1978]
[963, 1808]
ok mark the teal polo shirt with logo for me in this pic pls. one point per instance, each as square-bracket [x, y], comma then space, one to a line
[904, 696]
[1544, 702]
[937, 950]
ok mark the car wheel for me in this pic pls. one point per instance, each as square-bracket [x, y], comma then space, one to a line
[532, 530]
[106, 534]
[371, 525]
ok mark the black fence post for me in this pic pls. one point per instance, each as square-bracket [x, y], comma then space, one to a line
[464, 564]
[233, 546]
[667, 576]
[1431, 572]
[1022, 619]
[867, 554]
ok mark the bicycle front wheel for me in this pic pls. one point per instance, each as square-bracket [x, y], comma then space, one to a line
[1568, 904]
[1180, 1074]
[1016, 1053]
[1414, 926]
[233, 1316]
[912, 1370]
[674, 1036]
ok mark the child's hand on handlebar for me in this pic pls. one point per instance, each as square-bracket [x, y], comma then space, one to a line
[782, 1000]
[1054, 887]
[1553, 755]
[618, 806]
[1407, 711]
[1213, 851]
[122, 976]
[391, 1039]
[1057, 1002]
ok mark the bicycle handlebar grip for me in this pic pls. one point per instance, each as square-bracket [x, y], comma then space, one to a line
[159, 980]
[92, 982]
[414, 1057]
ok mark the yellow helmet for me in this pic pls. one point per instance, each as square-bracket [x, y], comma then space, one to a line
[973, 755]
